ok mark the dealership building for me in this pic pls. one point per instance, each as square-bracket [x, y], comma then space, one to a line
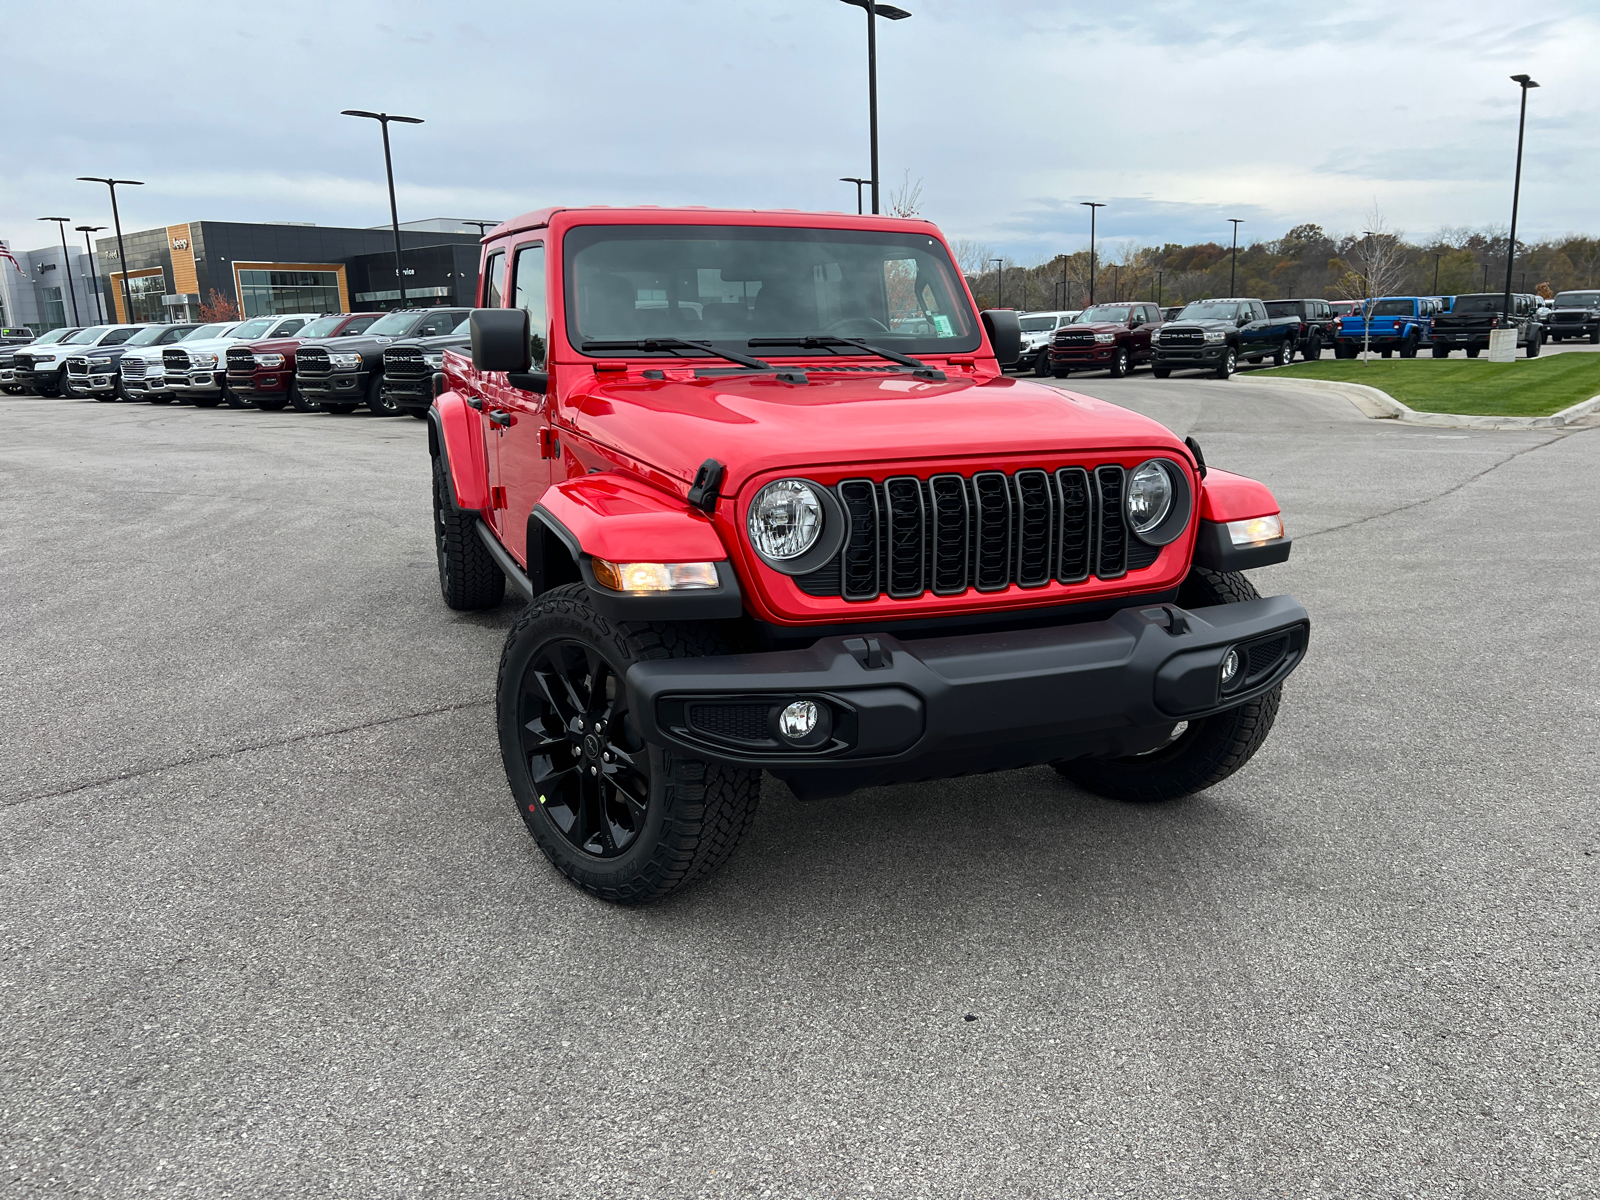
[275, 267]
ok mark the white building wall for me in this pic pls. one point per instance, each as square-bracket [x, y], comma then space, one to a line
[24, 300]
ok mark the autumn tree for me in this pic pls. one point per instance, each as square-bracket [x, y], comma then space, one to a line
[218, 308]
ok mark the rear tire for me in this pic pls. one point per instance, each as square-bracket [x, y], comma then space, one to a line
[1208, 750]
[1594, 336]
[1285, 353]
[1535, 344]
[634, 822]
[1313, 350]
[1409, 350]
[1472, 351]
[469, 580]
[1161, 372]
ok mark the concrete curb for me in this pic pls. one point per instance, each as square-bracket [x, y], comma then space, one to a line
[1381, 406]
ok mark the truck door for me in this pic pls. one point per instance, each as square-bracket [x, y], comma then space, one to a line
[519, 420]
[483, 394]
[1260, 335]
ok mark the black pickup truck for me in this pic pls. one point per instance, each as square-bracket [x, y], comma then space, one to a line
[409, 366]
[1318, 325]
[1215, 335]
[340, 374]
[1473, 317]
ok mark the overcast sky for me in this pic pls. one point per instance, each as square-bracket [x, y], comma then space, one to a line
[1178, 114]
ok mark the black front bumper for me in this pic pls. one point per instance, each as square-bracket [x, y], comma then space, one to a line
[894, 711]
[338, 385]
[1179, 358]
[408, 391]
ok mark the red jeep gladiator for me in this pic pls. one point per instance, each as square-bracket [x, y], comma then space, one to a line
[774, 506]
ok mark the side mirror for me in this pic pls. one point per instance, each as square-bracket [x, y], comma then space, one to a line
[1243, 321]
[1005, 334]
[1135, 322]
[500, 339]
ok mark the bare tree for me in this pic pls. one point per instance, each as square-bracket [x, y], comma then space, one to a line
[906, 200]
[972, 257]
[1375, 266]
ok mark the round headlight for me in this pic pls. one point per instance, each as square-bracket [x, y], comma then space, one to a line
[785, 519]
[1149, 497]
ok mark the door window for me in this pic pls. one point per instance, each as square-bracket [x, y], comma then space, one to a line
[528, 282]
[491, 279]
[289, 327]
[359, 325]
[117, 336]
[438, 324]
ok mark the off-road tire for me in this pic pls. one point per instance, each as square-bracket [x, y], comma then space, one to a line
[1210, 749]
[697, 811]
[1313, 350]
[1161, 372]
[1041, 363]
[468, 577]
[1535, 344]
[342, 409]
[1594, 336]
[1409, 348]
[1229, 363]
[1441, 352]
[375, 401]
[1472, 351]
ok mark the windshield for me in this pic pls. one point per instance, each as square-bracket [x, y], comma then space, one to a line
[1109, 314]
[1393, 308]
[396, 324]
[146, 335]
[84, 336]
[729, 284]
[54, 336]
[202, 332]
[1577, 300]
[1036, 324]
[321, 327]
[1209, 310]
[1480, 304]
[255, 328]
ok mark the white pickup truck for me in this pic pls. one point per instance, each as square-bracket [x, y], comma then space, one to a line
[198, 370]
[143, 376]
[1037, 330]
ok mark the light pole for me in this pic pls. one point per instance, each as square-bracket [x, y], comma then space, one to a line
[1158, 289]
[889, 13]
[116, 219]
[1233, 271]
[1524, 82]
[66, 265]
[94, 272]
[858, 183]
[999, 280]
[1436, 258]
[1091, 205]
[383, 120]
[1116, 281]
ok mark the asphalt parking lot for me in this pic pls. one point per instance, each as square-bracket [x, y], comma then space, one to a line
[269, 925]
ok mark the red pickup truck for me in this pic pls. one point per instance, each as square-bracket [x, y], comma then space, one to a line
[774, 506]
[265, 371]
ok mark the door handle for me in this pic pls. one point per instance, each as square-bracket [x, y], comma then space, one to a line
[499, 416]
[475, 402]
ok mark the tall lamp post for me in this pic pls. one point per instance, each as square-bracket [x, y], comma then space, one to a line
[1233, 271]
[1436, 258]
[889, 13]
[858, 183]
[999, 280]
[1091, 205]
[94, 271]
[383, 120]
[116, 219]
[1524, 82]
[66, 264]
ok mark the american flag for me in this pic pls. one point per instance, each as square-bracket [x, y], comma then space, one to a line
[5, 253]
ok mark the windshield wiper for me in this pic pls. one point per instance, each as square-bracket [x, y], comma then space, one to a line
[672, 343]
[822, 341]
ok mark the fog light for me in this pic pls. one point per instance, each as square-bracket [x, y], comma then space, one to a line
[1230, 667]
[799, 720]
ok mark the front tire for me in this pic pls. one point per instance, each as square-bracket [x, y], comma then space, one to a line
[1313, 350]
[1041, 364]
[1201, 753]
[1119, 364]
[468, 577]
[375, 399]
[1161, 372]
[626, 821]
[236, 399]
[1229, 363]
[300, 403]
[1472, 351]
[1535, 344]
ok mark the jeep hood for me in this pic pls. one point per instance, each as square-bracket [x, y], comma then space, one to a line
[753, 424]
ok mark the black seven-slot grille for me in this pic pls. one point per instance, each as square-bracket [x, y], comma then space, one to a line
[986, 531]
[312, 360]
[405, 362]
[175, 360]
[241, 361]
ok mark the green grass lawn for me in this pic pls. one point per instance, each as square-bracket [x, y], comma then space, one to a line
[1528, 387]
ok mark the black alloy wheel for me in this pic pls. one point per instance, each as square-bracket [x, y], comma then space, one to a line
[1119, 363]
[1313, 350]
[589, 767]
[1229, 363]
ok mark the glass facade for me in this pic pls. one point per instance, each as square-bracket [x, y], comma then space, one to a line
[52, 309]
[267, 293]
[144, 296]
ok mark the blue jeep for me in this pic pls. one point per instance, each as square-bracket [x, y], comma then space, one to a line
[1401, 323]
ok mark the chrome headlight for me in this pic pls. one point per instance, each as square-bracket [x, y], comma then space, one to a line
[202, 360]
[785, 519]
[1216, 335]
[1156, 502]
[268, 360]
[43, 360]
[345, 359]
[434, 360]
[1105, 339]
[1155, 335]
[100, 362]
